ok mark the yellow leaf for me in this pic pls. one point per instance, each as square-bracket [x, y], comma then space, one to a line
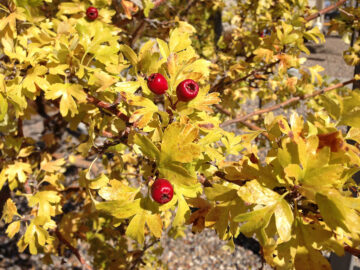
[13, 229]
[34, 77]
[135, 229]
[19, 170]
[177, 144]
[52, 166]
[67, 94]
[46, 201]
[118, 190]
[154, 223]
[9, 211]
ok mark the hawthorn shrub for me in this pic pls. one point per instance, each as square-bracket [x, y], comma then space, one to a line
[76, 67]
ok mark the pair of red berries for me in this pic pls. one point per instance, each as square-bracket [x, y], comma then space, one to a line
[92, 13]
[185, 91]
[162, 191]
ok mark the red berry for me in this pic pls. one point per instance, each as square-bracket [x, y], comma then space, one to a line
[157, 83]
[187, 90]
[162, 191]
[92, 13]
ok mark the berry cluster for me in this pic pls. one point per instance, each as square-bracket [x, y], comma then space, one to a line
[185, 91]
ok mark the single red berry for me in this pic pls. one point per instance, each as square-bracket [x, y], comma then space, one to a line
[157, 83]
[162, 191]
[187, 90]
[92, 13]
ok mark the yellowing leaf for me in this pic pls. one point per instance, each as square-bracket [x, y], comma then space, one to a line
[315, 76]
[128, 87]
[284, 219]
[154, 223]
[163, 47]
[129, 8]
[177, 144]
[13, 229]
[176, 174]
[19, 170]
[119, 208]
[34, 77]
[147, 146]
[135, 229]
[46, 201]
[129, 54]
[118, 191]
[67, 94]
[182, 213]
[143, 116]
[52, 166]
[203, 100]
[9, 211]
[255, 220]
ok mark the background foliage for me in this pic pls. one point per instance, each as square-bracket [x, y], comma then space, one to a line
[290, 184]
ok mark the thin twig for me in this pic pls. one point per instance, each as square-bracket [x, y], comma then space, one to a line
[224, 83]
[324, 11]
[245, 123]
[72, 248]
[107, 106]
[286, 103]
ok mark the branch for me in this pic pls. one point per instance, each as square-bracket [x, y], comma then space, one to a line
[222, 82]
[352, 251]
[286, 103]
[324, 11]
[245, 123]
[107, 106]
[141, 27]
[72, 248]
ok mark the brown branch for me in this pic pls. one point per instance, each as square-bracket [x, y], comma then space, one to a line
[352, 251]
[107, 106]
[245, 123]
[72, 248]
[286, 103]
[224, 83]
[20, 132]
[141, 253]
[324, 11]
